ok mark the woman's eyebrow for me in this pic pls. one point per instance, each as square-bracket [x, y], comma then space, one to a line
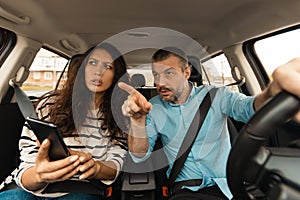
[92, 58]
[99, 59]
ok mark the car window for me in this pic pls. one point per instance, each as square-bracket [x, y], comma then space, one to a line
[217, 71]
[45, 71]
[7, 42]
[277, 50]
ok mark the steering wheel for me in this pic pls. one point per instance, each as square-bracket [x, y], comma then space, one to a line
[248, 158]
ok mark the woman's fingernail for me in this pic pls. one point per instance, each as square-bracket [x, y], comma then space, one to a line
[45, 142]
[81, 177]
[76, 163]
[73, 158]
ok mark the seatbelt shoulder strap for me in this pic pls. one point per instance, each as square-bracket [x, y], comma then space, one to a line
[24, 103]
[191, 135]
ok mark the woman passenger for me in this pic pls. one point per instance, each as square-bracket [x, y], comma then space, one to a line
[83, 112]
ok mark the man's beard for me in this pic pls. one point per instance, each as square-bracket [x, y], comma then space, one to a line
[172, 98]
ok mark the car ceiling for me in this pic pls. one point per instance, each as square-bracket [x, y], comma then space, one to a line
[215, 24]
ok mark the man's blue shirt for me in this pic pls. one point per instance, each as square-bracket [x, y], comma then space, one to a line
[208, 157]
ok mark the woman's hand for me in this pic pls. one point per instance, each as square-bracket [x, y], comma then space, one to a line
[46, 171]
[53, 171]
[88, 167]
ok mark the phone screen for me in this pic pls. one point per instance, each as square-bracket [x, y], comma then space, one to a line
[43, 130]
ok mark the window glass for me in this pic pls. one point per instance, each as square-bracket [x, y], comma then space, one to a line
[217, 72]
[44, 73]
[277, 50]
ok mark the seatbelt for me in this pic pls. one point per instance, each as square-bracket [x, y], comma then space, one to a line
[23, 102]
[191, 135]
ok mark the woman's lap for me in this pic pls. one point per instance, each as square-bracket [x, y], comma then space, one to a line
[16, 194]
[21, 194]
[79, 196]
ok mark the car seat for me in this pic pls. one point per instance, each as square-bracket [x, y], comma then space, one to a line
[196, 70]
[138, 81]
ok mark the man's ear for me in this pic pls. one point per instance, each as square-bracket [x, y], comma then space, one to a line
[187, 72]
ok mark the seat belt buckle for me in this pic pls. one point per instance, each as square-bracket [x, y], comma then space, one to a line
[109, 191]
[165, 191]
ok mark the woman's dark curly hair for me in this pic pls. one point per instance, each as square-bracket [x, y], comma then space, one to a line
[69, 106]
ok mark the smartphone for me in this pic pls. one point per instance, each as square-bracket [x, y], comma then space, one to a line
[43, 130]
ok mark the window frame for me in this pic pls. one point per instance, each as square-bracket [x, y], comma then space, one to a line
[253, 59]
[8, 42]
[206, 74]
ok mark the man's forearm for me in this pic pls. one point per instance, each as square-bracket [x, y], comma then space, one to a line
[264, 96]
[137, 140]
[261, 98]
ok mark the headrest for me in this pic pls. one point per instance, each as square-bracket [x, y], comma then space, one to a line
[196, 70]
[73, 60]
[138, 80]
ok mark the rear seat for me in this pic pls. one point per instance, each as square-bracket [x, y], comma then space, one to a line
[138, 81]
[196, 71]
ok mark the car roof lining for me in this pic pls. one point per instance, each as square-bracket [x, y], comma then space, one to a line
[217, 24]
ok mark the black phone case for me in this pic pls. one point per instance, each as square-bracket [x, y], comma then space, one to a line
[43, 130]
